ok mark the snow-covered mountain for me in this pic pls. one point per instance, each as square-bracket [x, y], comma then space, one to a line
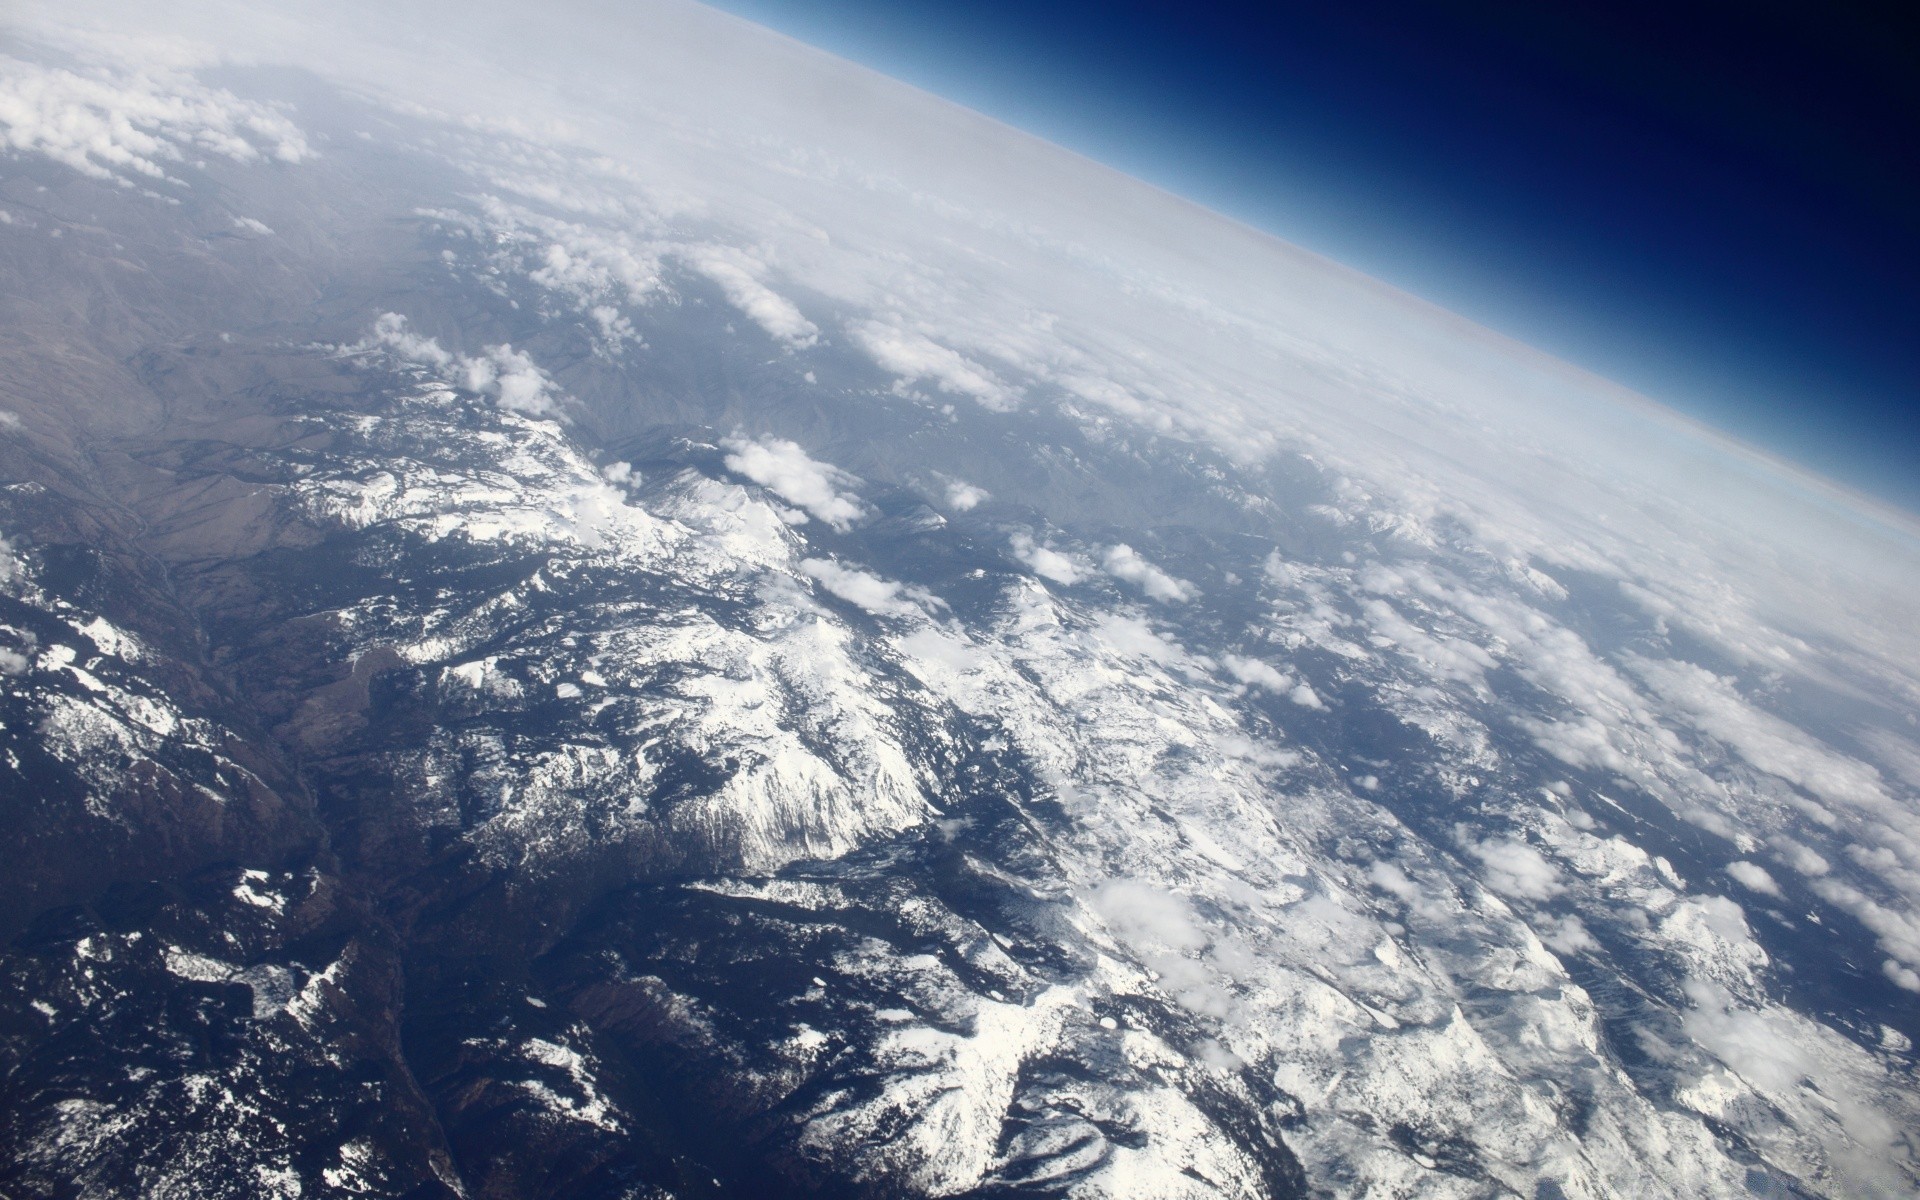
[610, 606]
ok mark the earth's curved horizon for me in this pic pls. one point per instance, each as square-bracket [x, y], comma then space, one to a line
[607, 605]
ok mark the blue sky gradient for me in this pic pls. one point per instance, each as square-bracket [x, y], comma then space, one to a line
[1715, 204]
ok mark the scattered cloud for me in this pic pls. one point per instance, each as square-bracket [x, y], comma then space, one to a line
[1161, 930]
[1568, 935]
[117, 125]
[881, 597]
[1254, 673]
[1754, 878]
[1516, 870]
[914, 357]
[1898, 932]
[963, 496]
[1045, 562]
[737, 274]
[1766, 742]
[1390, 879]
[597, 272]
[1134, 638]
[784, 469]
[1801, 858]
[510, 376]
[512, 379]
[1123, 562]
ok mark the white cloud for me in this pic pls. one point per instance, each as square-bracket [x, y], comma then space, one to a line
[1517, 870]
[1305, 696]
[1568, 935]
[596, 271]
[1161, 930]
[882, 597]
[251, 225]
[1801, 858]
[913, 357]
[1752, 1043]
[1254, 673]
[963, 496]
[1045, 562]
[1898, 932]
[1442, 657]
[391, 332]
[736, 273]
[784, 469]
[1393, 881]
[510, 376]
[1713, 706]
[1754, 878]
[1134, 638]
[1123, 562]
[512, 379]
[113, 125]
[1827, 1088]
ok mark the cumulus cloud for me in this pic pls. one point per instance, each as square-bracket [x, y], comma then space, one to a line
[1393, 881]
[510, 376]
[113, 125]
[1161, 930]
[914, 357]
[590, 266]
[1516, 870]
[512, 379]
[1716, 708]
[253, 226]
[392, 333]
[784, 469]
[1568, 935]
[963, 496]
[1123, 562]
[595, 271]
[882, 597]
[1801, 858]
[1254, 673]
[1754, 1044]
[1134, 638]
[1045, 562]
[1754, 878]
[1579, 741]
[1897, 931]
[1824, 1084]
[1441, 657]
[737, 273]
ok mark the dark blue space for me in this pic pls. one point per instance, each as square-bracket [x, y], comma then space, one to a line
[1716, 204]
